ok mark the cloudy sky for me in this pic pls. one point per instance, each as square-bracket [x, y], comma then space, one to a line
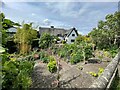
[82, 15]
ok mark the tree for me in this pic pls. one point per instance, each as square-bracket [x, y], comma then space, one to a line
[24, 37]
[5, 24]
[46, 40]
[104, 36]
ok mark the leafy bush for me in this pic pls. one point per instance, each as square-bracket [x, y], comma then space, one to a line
[62, 54]
[51, 58]
[46, 40]
[113, 51]
[75, 58]
[52, 65]
[88, 51]
[102, 54]
[16, 74]
[44, 57]
[42, 54]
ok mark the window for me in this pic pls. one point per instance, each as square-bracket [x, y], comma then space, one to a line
[65, 34]
[73, 34]
[72, 40]
[59, 35]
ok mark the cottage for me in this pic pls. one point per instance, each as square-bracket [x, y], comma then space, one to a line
[63, 34]
[71, 36]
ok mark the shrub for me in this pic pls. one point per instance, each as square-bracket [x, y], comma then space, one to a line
[42, 54]
[52, 65]
[75, 58]
[51, 58]
[46, 40]
[17, 74]
[88, 51]
[113, 52]
[62, 54]
[44, 57]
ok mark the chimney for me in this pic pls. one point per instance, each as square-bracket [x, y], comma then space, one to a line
[74, 28]
[52, 26]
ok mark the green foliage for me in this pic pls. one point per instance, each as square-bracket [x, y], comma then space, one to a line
[45, 41]
[16, 74]
[63, 42]
[62, 54]
[5, 24]
[104, 36]
[52, 65]
[5, 57]
[88, 51]
[103, 54]
[113, 50]
[75, 52]
[24, 37]
[116, 83]
[44, 57]
[79, 39]
[75, 58]
[51, 58]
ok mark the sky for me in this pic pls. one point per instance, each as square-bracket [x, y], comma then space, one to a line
[84, 16]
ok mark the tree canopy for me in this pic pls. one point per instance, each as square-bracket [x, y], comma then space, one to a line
[5, 25]
[106, 33]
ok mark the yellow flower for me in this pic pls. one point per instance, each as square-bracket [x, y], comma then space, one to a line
[13, 59]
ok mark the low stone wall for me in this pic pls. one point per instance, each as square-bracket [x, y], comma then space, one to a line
[105, 79]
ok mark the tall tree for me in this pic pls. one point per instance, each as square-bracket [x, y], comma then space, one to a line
[105, 35]
[24, 37]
